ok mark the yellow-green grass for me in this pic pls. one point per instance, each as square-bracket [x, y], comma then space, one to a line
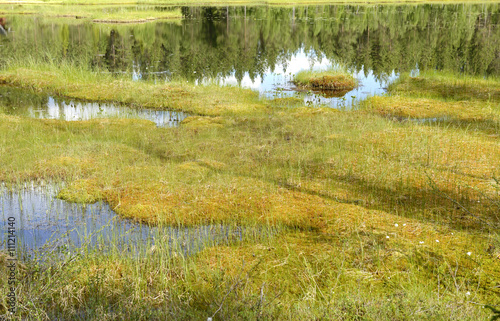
[286, 102]
[325, 80]
[368, 263]
[378, 219]
[256, 168]
[448, 86]
[470, 103]
[97, 13]
[408, 107]
[125, 16]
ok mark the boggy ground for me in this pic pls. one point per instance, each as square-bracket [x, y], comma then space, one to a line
[379, 215]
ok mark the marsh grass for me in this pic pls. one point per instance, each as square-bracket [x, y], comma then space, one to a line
[301, 275]
[443, 99]
[448, 86]
[65, 79]
[378, 219]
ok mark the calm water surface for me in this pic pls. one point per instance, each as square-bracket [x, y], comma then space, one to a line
[19, 102]
[45, 224]
[263, 47]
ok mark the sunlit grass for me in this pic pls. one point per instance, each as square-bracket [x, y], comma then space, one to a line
[449, 86]
[464, 102]
[211, 169]
[377, 218]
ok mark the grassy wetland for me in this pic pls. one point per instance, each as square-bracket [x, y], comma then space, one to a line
[387, 211]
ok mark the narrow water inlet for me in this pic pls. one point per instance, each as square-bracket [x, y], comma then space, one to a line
[44, 224]
[14, 101]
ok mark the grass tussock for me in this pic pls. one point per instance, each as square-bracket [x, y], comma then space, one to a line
[325, 80]
[407, 107]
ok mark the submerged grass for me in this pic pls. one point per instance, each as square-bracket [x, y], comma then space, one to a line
[378, 219]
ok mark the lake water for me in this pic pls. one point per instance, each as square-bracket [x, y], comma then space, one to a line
[263, 47]
[19, 102]
[45, 225]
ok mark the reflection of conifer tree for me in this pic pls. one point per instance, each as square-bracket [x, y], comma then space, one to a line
[113, 51]
[481, 52]
[64, 39]
[221, 41]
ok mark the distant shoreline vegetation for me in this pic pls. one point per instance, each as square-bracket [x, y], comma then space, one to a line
[219, 42]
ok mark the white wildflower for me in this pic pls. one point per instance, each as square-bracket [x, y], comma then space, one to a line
[469, 253]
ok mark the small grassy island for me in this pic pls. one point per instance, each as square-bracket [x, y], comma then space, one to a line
[325, 80]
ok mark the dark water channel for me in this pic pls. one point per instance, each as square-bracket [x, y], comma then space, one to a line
[263, 47]
[19, 102]
[45, 225]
